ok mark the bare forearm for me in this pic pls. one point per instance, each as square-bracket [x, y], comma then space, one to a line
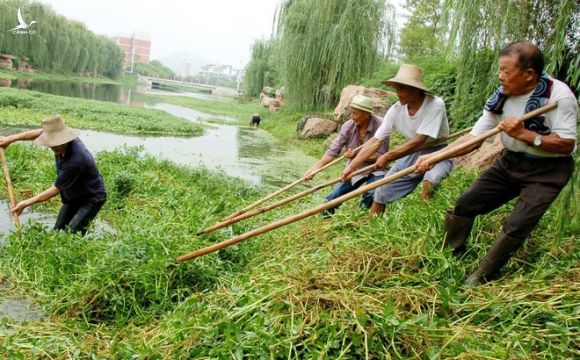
[551, 143]
[407, 148]
[23, 136]
[43, 196]
[367, 152]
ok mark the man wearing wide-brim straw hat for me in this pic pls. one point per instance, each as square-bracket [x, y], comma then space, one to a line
[360, 128]
[421, 118]
[78, 180]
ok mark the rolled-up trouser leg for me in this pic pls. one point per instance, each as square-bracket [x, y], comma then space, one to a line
[457, 229]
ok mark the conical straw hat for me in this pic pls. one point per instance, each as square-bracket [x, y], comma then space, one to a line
[55, 132]
[409, 75]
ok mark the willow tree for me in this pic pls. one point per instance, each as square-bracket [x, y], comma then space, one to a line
[262, 68]
[327, 44]
[479, 30]
[56, 43]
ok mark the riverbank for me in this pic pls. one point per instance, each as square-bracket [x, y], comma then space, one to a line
[125, 79]
[281, 124]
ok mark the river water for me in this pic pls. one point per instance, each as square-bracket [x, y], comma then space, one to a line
[252, 155]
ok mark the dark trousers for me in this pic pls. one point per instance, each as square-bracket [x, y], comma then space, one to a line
[536, 181]
[76, 216]
[344, 187]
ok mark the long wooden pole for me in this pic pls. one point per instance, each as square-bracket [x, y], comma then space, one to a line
[299, 195]
[285, 188]
[445, 154]
[9, 186]
[302, 179]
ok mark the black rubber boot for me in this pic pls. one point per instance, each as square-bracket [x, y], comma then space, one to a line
[457, 229]
[497, 256]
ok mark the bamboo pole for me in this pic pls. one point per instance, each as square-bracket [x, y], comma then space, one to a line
[302, 179]
[9, 186]
[442, 155]
[299, 195]
[285, 188]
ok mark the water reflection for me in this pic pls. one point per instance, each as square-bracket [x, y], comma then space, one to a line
[102, 92]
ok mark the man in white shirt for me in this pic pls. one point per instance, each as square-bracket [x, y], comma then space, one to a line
[535, 166]
[422, 119]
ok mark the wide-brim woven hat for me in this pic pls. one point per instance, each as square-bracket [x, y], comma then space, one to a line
[55, 132]
[409, 75]
[363, 103]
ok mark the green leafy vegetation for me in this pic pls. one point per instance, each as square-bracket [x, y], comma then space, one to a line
[154, 69]
[262, 70]
[28, 108]
[346, 287]
[479, 31]
[58, 44]
[319, 51]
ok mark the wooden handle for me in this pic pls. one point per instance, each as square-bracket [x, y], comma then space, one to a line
[244, 215]
[9, 186]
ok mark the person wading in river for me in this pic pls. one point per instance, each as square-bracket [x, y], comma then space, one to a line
[535, 166]
[78, 180]
[421, 118]
[356, 131]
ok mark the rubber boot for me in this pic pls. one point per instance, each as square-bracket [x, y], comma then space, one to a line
[457, 229]
[497, 256]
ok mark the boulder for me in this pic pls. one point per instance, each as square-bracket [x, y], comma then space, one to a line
[342, 110]
[483, 157]
[274, 105]
[309, 128]
[280, 93]
[268, 91]
[265, 100]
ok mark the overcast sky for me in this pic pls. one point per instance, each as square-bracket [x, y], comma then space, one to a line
[219, 30]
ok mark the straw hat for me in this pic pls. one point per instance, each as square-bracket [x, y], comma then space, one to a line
[408, 75]
[363, 103]
[55, 132]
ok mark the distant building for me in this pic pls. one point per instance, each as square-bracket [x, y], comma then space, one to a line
[184, 69]
[136, 46]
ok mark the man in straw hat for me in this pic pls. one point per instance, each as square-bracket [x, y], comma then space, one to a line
[356, 131]
[421, 118]
[78, 180]
[535, 166]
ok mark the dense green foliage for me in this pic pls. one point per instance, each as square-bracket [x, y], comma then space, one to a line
[262, 70]
[424, 30]
[328, 44]
[57, 44]
[28, 108]
[345, 287]
[153, 69]
[479, 30]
